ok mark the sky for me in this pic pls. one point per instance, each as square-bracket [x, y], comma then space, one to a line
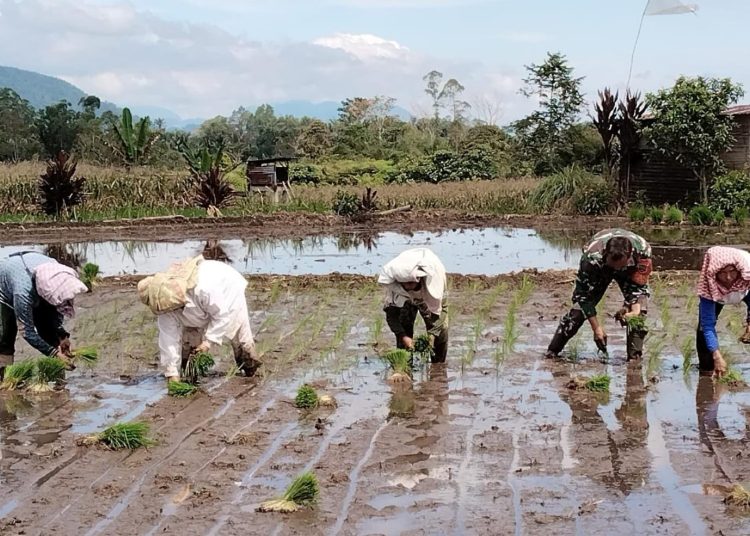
[202, 58]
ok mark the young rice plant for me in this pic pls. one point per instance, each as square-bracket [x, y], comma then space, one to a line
[303, 491]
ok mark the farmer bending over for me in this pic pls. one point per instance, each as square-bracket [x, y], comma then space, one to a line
[199, 303]
[37, 292]
[612, 254]
[414, 282]
[724, 279]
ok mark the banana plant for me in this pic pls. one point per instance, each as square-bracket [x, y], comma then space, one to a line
[135, 141]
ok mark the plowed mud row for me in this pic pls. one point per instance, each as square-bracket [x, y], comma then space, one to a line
[492, 443]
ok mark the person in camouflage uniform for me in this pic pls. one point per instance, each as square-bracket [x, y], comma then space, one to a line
[613, 254]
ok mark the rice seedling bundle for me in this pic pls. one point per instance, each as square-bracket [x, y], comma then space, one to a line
[181, 389]
[198, 366]
[423, 348]
[598, 383]
[733, 377]
[306, 397]
[87, 355]
[90, 275]
[47, 370]
[121, 436]
[738, 496]
[18, 375]
[303, 491]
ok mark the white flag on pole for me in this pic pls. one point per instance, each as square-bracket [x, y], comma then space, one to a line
[669, 7]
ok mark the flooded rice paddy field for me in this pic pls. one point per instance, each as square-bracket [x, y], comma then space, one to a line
[492, 443]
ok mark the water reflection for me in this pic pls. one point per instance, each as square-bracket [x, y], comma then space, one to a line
[481, 251]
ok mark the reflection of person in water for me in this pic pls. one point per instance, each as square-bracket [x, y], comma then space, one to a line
[428, 402]
[625, 463]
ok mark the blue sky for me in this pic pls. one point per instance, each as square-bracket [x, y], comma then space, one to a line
[203, 57]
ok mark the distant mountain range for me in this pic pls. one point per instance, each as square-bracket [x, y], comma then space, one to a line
[42, 90]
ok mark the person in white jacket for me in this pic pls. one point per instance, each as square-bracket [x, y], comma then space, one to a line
[214, 310]
[415, 282]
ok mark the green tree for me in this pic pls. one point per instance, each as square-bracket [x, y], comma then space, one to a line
[315, 139]
[433, 80]
[690, 126]
[558, 92]
[58, 128]
[134, 142]
[19, 138]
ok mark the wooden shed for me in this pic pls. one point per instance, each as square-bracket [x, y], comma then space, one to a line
[269, 175]
[661, 180]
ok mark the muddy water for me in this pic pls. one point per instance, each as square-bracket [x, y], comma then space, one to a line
[487, 444]
[488, 251]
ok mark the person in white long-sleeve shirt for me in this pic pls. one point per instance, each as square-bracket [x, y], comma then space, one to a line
[214, 311]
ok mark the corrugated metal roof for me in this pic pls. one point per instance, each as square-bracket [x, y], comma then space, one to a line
[740, 109]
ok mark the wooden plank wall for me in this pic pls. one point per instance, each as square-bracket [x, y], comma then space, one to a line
[663, 181]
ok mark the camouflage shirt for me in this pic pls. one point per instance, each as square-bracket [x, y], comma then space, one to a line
[594, 276]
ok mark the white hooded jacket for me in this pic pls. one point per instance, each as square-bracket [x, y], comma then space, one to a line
[409, 267]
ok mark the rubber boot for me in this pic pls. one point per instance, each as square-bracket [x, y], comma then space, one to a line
[569, 326]
[634, 343]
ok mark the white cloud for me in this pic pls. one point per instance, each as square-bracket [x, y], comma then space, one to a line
[137, 58]
[364, 46]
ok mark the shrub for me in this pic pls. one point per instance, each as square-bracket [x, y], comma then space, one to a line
[637, 213]
[59, 189]
[345, 204]
[673, 216]
[718, 217]
[730, 192]
[445, 166]
[561, 187]
[701, 215]
[305, 173]
[740, 215]
[656, 215]
[594, 199]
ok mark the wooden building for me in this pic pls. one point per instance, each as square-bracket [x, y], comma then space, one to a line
[660, 180]
[269, 175]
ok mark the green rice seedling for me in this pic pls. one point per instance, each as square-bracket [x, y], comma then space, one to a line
[306, 397]
[198, 366]
[656, 215]
[655, 349]
[269, 322]
[400, 362]
[303, 491]
[510, 330]
[732, 377]
[523, 294]
[740, 215]
[575, 349]
[599, 383]
[700, 215]
[718, 217]
[636, 323]
[121, 436]
[233, 370]
[47, 370]
[376, 329]
[738, 496]
[87, 355]
[423, 347]
[18, 375]
[275, 291]
[637, 213]
[90, 275]
[673, 216]
[181, 389]
[687, 349]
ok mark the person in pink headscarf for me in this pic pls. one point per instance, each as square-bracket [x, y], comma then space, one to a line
[37, 292]
[724, 279]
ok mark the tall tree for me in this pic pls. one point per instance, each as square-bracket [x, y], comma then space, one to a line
[58, 128]
[559, 95]
[607, 125]
[19, 138]
[434, 80]
[690, 125]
